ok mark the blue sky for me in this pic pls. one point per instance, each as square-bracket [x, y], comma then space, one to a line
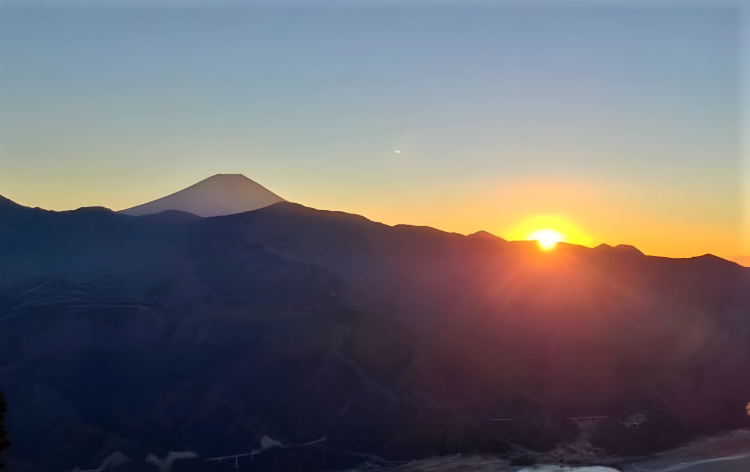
[500, 114]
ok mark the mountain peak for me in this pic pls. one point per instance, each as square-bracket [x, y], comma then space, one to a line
[218, 195]
[227, 177]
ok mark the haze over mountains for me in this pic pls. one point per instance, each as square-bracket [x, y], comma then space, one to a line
[222, 194]
[169, 332]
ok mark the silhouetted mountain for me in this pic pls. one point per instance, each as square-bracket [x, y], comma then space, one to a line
[222, 194]
[127, 334]
[172, 217]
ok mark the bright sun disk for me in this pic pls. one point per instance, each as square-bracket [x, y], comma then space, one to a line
[547, 238]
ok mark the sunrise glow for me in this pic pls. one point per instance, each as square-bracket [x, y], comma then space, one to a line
[547, 238]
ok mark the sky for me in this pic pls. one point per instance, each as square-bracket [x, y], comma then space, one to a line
[609, 124]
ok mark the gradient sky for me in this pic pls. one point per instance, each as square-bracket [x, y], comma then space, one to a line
[612, 125]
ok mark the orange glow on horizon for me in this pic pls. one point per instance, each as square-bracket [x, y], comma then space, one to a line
[587, 212]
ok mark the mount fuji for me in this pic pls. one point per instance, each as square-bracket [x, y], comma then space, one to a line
[220, 195]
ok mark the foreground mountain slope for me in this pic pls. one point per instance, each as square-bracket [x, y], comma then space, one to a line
[130, 334]
[222, 194]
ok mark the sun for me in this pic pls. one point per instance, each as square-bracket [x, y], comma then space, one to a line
[547, 238]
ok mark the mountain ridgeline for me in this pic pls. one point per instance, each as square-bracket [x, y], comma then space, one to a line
[171, 332]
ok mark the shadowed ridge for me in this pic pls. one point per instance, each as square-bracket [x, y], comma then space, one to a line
[295, 209]
[13, 210]
[91, 209]
[298, 231]
[629, 249]
[299, 212]
[622, 249]
[172, 217]
[219, 195]
[706, 262]
[425, 230]
[487, 236]
[711, 259]
[6, 202]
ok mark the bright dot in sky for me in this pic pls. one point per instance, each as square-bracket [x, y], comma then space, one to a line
[398, 152]
[547, 238]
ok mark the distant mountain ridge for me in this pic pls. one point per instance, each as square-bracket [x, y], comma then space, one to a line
[219, 195]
